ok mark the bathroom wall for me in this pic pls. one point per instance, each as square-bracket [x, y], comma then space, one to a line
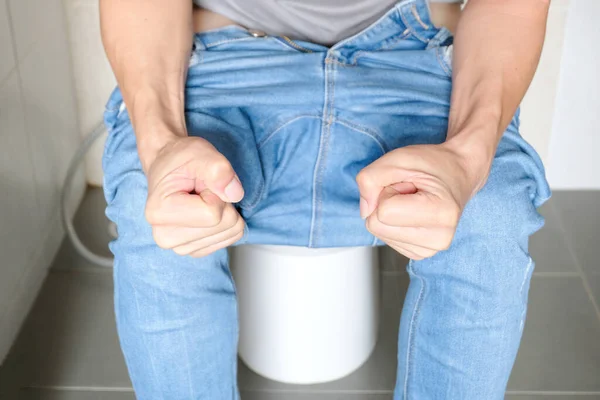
[539, 102]
[92, 75]
[38, 135]
[573, 161]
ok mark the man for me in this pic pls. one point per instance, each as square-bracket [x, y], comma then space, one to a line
[285, 122]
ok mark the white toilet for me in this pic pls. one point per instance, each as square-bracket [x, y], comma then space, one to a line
[306, 315]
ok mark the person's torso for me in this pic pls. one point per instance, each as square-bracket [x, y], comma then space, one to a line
[319, 21]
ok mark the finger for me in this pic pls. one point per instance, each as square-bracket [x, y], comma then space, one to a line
[185, 209]
[211, 249]
[373, 178]
[171, 236]
[219, 237]
[429, 238]
[420, 209]
[202, 161]
[416, 251]
[405, 252]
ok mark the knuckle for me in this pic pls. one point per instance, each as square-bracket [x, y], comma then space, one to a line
[237, 237]
[161, 239]
[212, 217]
[239, 225]
[363, 178]
[219, 168]
[152, 214]
[385, 211]
[370, 225]
[450, 215]
[445, 242]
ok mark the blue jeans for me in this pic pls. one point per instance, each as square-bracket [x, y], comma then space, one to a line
[298, 121]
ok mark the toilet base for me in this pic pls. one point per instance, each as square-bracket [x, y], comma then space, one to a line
[306, 315]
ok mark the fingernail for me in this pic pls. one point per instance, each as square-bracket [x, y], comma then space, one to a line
[364, 208]
[234, 190]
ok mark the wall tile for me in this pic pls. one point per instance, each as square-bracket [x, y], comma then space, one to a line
[7, 59]
[19, 232]
[538, 104]
[50, 114]
[32, 19]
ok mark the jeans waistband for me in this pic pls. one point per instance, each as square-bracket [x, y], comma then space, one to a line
[405, 18]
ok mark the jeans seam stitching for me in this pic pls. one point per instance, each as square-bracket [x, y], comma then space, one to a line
[365, 131]
[137, 307]
[283, 125]
[214, 44]
[409, 26]
[325, 127]
[256, 198]
[415, 12]
[442, 63]
[411, 326]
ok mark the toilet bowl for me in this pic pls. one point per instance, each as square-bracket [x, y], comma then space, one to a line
[306, 315]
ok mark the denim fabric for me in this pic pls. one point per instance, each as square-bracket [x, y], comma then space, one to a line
[298, 121]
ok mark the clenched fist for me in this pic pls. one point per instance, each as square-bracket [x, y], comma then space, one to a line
[190, 190]
[413, 197]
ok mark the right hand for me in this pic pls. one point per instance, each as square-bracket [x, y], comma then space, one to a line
[190, 190]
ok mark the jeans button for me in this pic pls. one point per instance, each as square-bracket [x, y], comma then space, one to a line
[256, 33]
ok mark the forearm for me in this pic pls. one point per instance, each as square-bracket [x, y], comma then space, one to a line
[496, 52]
[148, 44]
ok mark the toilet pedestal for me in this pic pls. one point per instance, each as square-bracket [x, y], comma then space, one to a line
[306, 315]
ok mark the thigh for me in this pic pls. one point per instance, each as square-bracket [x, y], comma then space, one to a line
[465, 308]
[176, 316]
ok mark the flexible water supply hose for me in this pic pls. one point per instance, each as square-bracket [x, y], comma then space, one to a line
[106, 262]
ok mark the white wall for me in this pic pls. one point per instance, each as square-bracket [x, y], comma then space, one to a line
[38, 135]
[93, 77]
[573, 161]
[539, 102]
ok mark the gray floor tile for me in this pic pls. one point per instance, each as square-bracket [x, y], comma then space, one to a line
[560, 349]
[69, 338]
[314, 396]
[378, 373]
[548, 247]
[49, 394]
[580, 217]
[593, 279]
[92, 227]
[391, 261]
[548, 396]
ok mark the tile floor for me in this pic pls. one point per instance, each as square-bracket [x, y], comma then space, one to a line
[68, 347]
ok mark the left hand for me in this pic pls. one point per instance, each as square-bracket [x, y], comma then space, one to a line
[413, 197]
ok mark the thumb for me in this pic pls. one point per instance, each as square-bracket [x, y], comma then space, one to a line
[218, 176]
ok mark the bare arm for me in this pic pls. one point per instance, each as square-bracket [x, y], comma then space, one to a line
[190, 184]
[497, 49]
[496, 52]
[148, 44]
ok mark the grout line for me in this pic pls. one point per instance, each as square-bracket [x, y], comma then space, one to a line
[304, 391]
[556, 274]
[4, 80]
[80, 388]
[550, 393]
[584, 280]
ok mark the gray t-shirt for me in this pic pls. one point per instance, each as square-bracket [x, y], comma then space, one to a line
[318, 21]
